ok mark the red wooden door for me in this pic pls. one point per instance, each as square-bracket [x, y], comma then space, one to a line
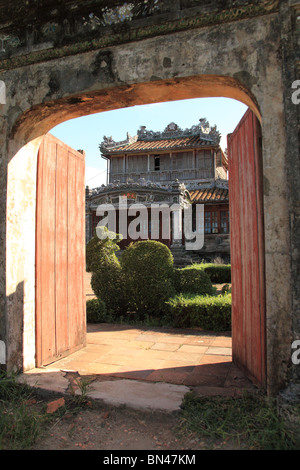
[247, 248]
[60, 251]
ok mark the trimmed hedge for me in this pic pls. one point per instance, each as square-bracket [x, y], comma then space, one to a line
[209, 313]
[96, 311]
[192, 280]
[147, 267]
[218, 273]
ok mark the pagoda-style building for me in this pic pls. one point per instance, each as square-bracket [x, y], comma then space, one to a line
[176, 166]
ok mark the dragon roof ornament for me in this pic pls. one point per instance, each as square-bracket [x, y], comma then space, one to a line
[172, 131]
[203, 129]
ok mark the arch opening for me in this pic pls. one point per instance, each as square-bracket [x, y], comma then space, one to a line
[30, 128]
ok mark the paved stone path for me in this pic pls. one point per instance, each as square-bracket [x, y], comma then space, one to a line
[156, 355]
[145, 367]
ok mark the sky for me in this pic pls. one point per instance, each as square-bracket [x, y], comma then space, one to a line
[87, 132]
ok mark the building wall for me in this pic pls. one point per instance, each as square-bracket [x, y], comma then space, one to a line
[192, 165]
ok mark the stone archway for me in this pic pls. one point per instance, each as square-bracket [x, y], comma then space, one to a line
[237, 58]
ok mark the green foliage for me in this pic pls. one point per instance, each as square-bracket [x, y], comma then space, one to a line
[207, 312]
[24, 418]
[96, 311]
[148, 276]
[108, 285]
[19, 426]
[226, 289]
[102, 250]
[107, 279]
[218, 273]
[192, 280]
[250, 421]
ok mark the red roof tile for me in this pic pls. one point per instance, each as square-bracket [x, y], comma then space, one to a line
[156, 145]
[209, 195]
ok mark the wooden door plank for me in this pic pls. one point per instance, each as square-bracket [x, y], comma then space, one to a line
[62, 318]
[47, 242]
[247, 248]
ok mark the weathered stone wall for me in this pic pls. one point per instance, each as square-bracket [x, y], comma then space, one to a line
[61, 62]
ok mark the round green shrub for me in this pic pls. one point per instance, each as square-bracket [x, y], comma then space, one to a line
[96, 311]
[193, 281]
[101, 250]
[107, 283]
[148, 276]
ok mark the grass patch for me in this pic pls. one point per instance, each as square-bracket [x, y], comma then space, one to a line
[23, 417]
[251, 422]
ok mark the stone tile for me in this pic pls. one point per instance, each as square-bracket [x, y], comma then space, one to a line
[149, 337]
[218, 369]
[114, 359]
[199, 340]
[168, 376]
[184, 357]
[109, 341]
[192, 348]
[97, 348]
[219, 351]
[165, 346]
[195, 379]
[222, 341]
[47, 379]
[87, 368]
[139, 344]
[134, 374]
[215, 358]
[150, 354]
[137, 394]
[135, 364]
[178, 365]
[127, 352]
[172, 339]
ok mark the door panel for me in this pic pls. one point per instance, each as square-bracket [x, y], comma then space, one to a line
[60, 251]
[247, 248]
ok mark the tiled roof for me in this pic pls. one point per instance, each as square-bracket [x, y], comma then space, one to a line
[157, 145]
[209, 195]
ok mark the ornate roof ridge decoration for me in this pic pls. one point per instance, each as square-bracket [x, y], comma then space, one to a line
[217, 184]
[109, 143]
[173, 131]
[203, 130]
[142, 184]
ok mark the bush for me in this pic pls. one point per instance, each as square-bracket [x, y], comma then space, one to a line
[107, 283]
[96, 311]
[209, 313]
[148, 276]
[193, 281]
[101, 250]
[218, 273]
[226, 289]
